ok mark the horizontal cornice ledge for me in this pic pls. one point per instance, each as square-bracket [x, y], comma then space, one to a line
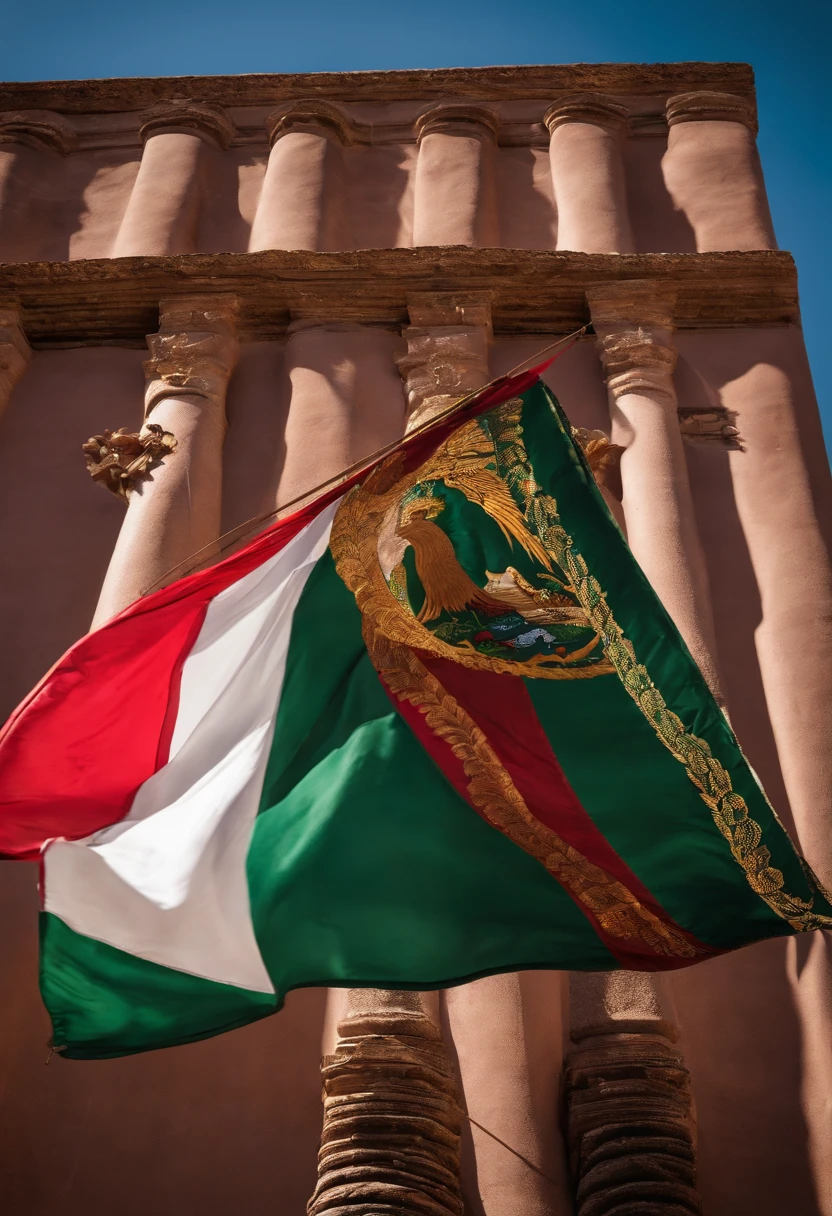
[543, 81]
[116, 300]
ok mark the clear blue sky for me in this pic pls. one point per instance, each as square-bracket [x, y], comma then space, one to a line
[788, 45]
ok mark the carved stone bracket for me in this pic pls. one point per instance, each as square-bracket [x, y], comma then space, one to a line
[194, 352]
[40, 129]
[314, 116]
[391, 1137]
[15, 352]
[711, 426]
[591, 108]
[118, 459]
[454, 119]
[707, 106]
[194, 117]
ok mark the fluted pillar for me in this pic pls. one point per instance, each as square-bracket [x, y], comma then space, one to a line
[163, 212]
[454, 201]
[588, 178]
[292, 212]
[26, 136]
[633, 321]
[712, 171]
[15, 352]
[176, 511]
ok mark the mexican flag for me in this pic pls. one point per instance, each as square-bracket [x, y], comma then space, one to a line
[433, 726]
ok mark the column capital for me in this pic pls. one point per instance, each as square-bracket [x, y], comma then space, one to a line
[456, 119]
[191, 117]
[634, 361]
[39, 129]
[194, 352]
[447, 351]
[315, 116]
[592, 108]
[15, 351]
[706, 106]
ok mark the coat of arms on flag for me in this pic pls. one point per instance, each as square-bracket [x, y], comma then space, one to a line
[433, 726]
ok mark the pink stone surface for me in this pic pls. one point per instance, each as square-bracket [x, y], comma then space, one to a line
[232, 1124]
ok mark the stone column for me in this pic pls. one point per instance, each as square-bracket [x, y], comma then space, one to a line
[25, 135]
[588, 174]
[628, 1101]
[176, 511]
[633, 321]
[453, 199]
[291, 213]
[712, 171]
[15, 352]
[628, 1096]
[162, 214]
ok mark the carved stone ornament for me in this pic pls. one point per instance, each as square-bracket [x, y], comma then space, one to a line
[314, 116]
[454, 119]
[194, 352]
[706, 106]
[602, 455]
[629, 1127]
[40, 129]
[634, 362]
[391, 1136]
[711, 426]
[118, 459]
[209, 122]
[591, 108]
[442, 364]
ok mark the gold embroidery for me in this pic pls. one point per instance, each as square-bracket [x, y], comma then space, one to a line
[492, 791]
[354, 544]
[728, 808]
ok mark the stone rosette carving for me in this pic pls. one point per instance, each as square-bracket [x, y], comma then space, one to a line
[704, 105]
[119, 459]
[193, 117]
[391, 1135]
[194, 352]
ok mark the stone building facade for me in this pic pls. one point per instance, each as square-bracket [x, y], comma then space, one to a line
[320, 260]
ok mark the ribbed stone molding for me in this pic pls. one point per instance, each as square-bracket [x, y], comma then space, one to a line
[592, 108]
[391, 1139]
[314, 116]
[629, 1120]
[635, 362]
[39, 129]
[194, 352]
[628, 1111]
[707, 106]
[15, 353]
[188, 117]
[455, 119]
[447, 351]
